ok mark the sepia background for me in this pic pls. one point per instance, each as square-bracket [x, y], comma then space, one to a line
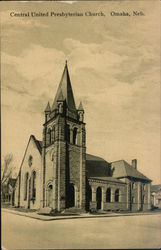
[114, 67]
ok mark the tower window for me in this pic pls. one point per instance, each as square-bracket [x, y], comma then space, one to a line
[75, 136]
[53, 134]
[68, 133]
[49, 136]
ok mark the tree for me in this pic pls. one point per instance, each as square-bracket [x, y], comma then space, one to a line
[7, 168]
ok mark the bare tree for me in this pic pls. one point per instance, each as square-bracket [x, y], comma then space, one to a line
[7, 168]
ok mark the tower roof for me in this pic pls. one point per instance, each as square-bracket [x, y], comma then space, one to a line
[48, 109]
[65, 91]
[81, 107]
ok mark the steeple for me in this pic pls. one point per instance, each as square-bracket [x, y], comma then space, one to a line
[65, 91]
[60, 97]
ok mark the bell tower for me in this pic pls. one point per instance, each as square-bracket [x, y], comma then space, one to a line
[63, 175]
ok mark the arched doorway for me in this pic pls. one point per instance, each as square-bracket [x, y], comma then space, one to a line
[49, 195]
[88, 196]
[99, 197]
[71, 196]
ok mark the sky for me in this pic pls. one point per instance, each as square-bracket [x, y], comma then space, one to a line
[114, 67]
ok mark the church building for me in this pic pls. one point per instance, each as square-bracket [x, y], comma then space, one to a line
[59, 174]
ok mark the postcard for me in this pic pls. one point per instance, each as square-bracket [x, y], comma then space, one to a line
[80, 103]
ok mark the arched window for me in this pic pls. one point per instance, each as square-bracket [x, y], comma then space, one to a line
[33, 185]
[75, 136]
[117, 195]
[26, 185]
[68, 133]
[49, 136]
[108, 195]
[53, 134]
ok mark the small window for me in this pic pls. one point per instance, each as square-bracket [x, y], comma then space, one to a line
[30, 160]
[144, 187]
[133, 185]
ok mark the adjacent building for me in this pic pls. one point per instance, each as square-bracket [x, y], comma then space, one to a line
[58, 173]
[156, 196]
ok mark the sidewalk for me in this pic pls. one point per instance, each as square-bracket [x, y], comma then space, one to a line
[34, 215]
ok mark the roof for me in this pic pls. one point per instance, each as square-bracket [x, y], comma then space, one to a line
[48, 109]
[124, 169]
[106, 179]
[156, 188]
[96, 166]
[81, 107]
[65, 91]
[38, 143]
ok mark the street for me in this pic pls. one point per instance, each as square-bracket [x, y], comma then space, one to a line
[20, 232]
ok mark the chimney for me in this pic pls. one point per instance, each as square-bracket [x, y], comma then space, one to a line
[134, 163]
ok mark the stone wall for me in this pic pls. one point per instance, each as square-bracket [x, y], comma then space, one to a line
[111, 205]
[138, 191]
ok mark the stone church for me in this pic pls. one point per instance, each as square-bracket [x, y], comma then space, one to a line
[58, 173]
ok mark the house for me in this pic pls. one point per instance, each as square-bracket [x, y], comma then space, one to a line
[7, 191]
[156, 195]
[58, 173]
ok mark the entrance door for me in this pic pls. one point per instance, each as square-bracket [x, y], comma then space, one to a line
[71, 196]
[99, 197]
[49, 196]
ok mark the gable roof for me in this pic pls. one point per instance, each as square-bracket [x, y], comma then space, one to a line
[124, 169]
[65, 91]
[38, 145]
